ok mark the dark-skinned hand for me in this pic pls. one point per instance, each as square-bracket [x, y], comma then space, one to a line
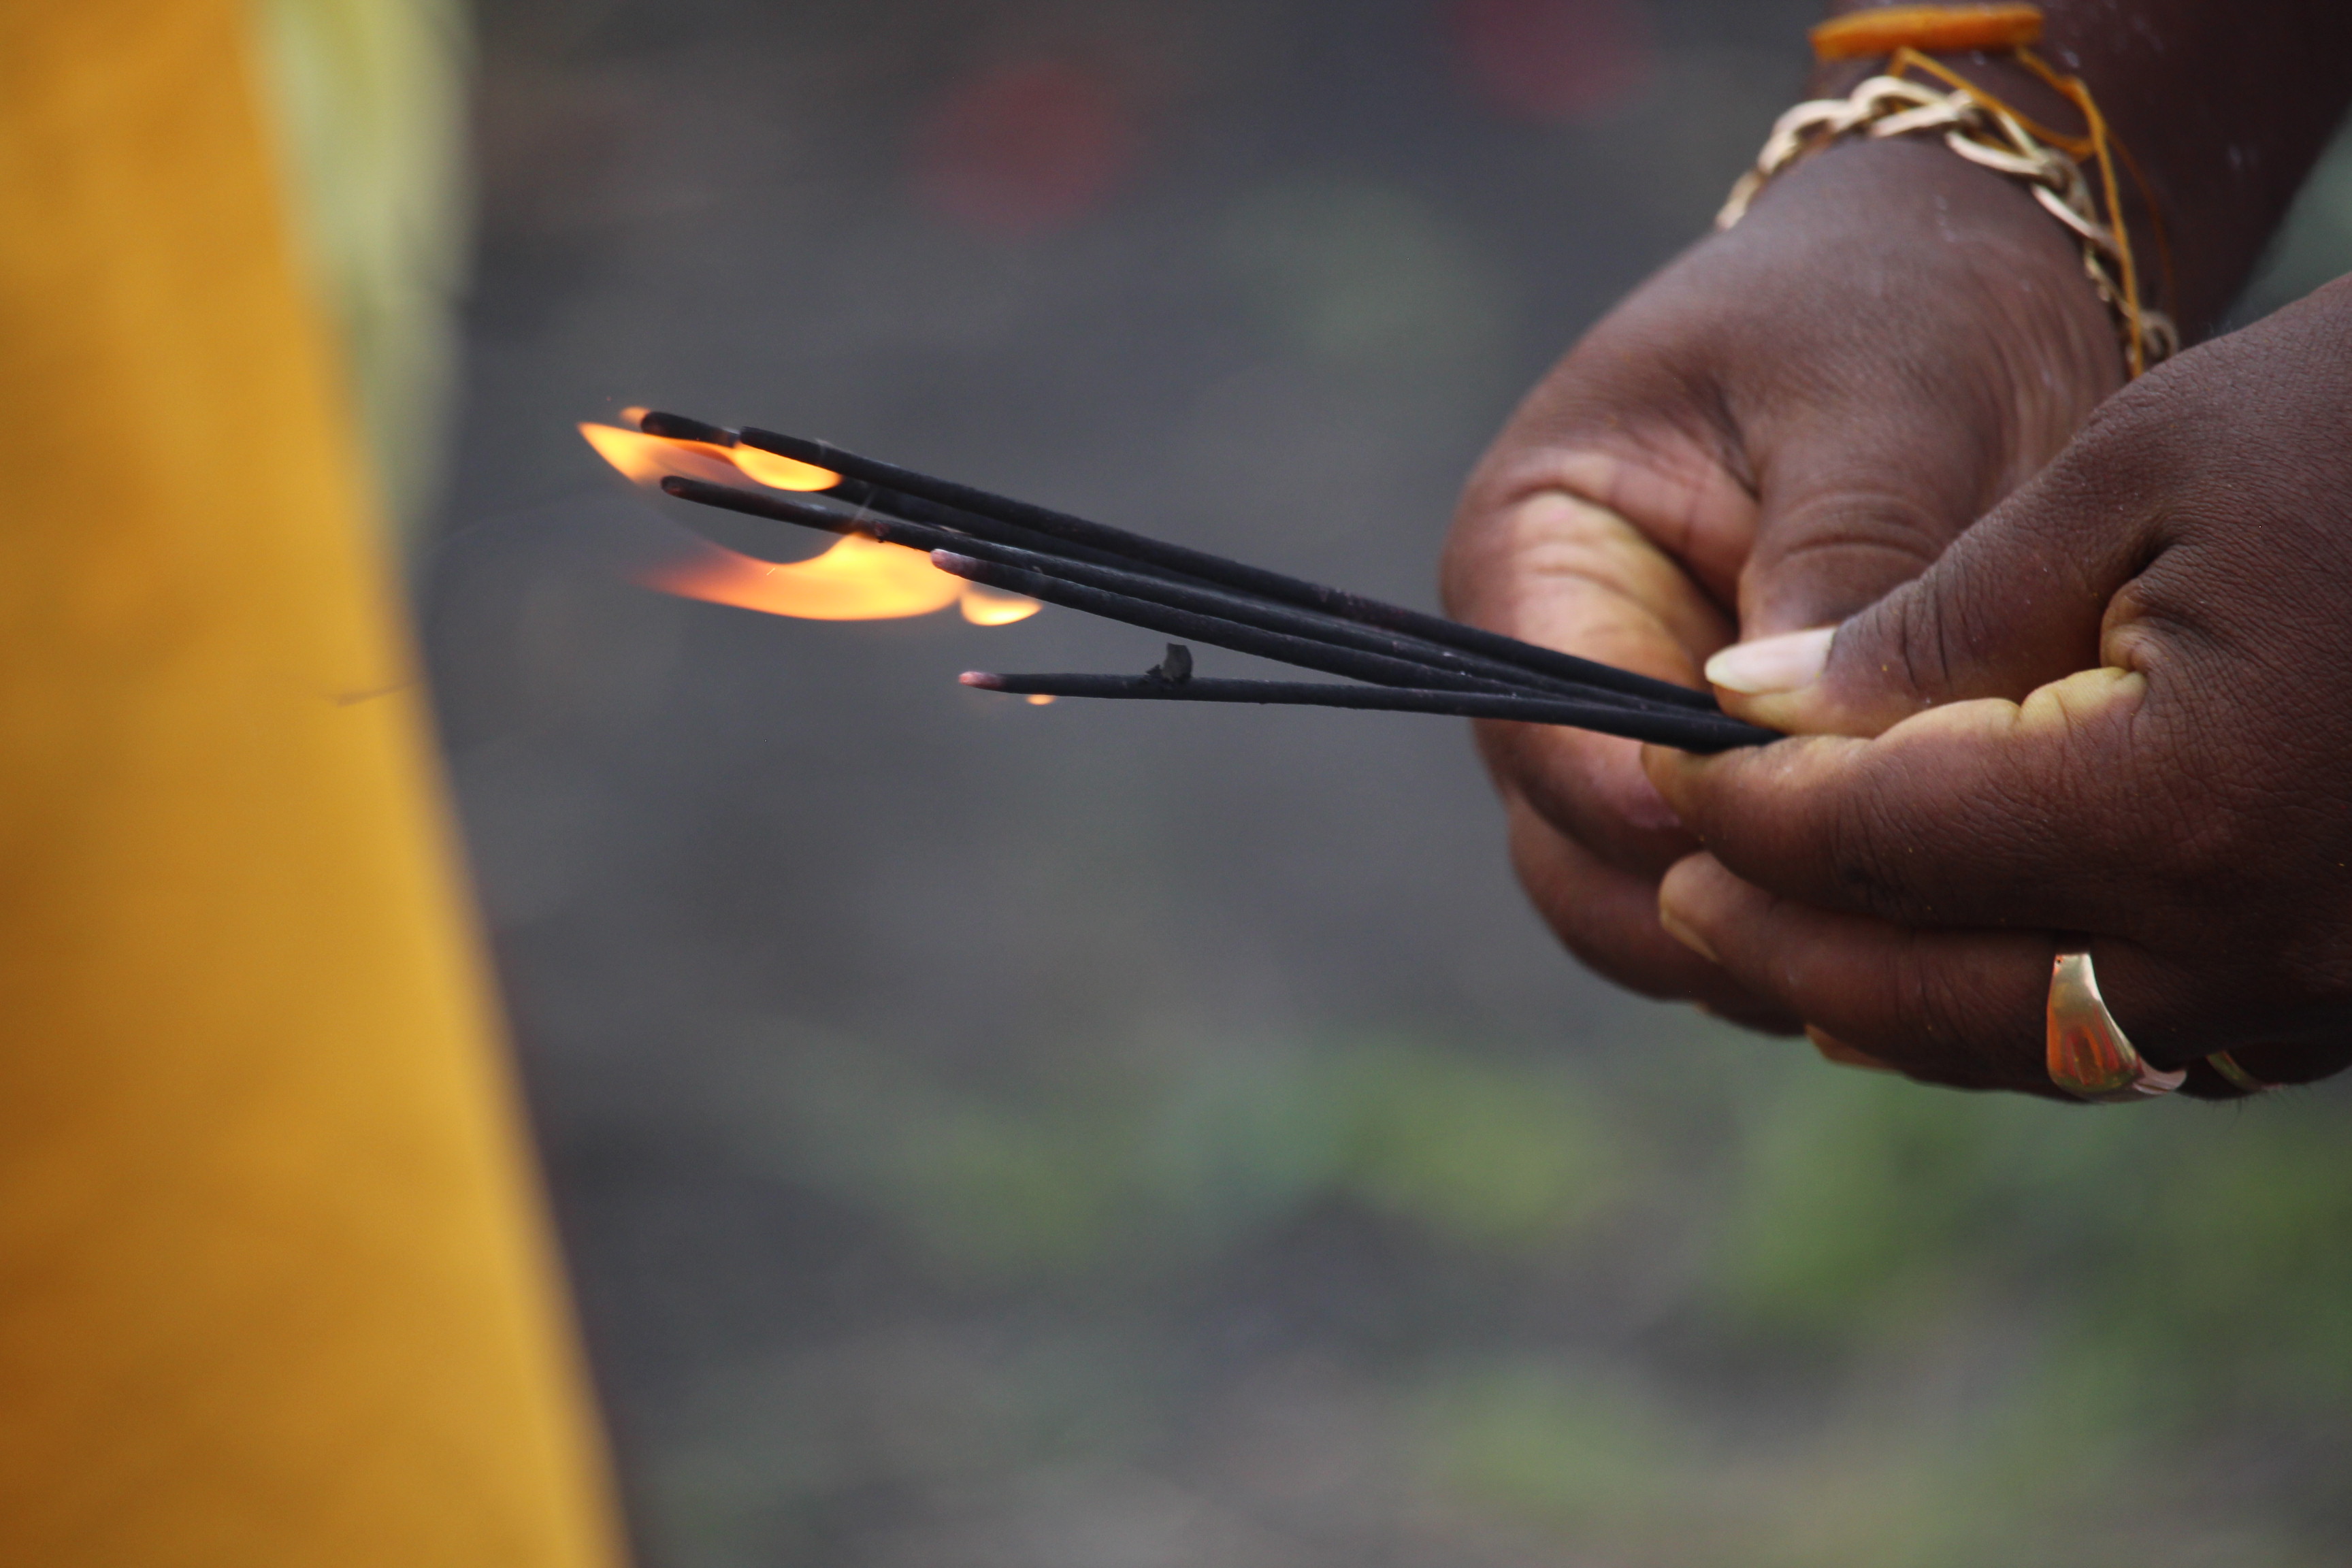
[2120, 707]
[1787, 421]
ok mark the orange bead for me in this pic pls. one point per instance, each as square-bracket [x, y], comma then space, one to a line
[1932, 30]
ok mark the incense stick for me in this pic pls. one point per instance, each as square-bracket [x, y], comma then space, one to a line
[1307, 653]
[1217, 569]
[1686, 731]
[1165, 591]
[867, 495]
[1413, 662]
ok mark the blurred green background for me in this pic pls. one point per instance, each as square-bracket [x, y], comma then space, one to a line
[1143, 1139]
[1712, 1304]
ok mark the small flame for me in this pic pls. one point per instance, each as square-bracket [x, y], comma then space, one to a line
[859, 579]
[1040, 699]
[779, 472]
[648, 459]
[989, 608]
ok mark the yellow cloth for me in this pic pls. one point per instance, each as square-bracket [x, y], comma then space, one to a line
[275, 1289]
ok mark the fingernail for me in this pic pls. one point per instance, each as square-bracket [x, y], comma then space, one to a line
[1688, 937]
[1771, 665]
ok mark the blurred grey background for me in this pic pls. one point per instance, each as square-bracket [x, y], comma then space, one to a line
[1140, 1137]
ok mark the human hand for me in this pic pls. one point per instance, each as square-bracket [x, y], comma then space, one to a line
[1790, 420]
[2137, 678]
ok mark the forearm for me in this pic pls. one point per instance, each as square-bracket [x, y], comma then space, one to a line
[2223, 103]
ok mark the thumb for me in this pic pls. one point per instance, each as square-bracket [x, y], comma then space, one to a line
[2016, 603]
[1854, 499]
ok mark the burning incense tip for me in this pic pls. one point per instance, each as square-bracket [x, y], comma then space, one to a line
[866, 576]
[984, 681]
[648, 459]
[989, 607]
[983, 606]
[859, 579]
[780, 473]
[678, 427]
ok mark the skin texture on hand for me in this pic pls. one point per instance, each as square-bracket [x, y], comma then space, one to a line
[1784, 423]
[2120, 707]
[1799, 415]
[2223, 105]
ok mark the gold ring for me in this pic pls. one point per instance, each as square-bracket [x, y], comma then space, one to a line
[2089, 1057]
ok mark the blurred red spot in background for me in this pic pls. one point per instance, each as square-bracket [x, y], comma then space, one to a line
[1552, 59]
[1023, 148]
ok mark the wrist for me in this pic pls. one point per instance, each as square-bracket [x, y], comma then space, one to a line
[2129, 207]
[1983, 291]
[1954, 224]
[2221, 107]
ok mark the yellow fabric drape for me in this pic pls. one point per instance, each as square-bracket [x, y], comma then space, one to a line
[274, 1284]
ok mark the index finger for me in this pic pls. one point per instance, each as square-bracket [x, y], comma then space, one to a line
[1562, 571]
[1977, 814]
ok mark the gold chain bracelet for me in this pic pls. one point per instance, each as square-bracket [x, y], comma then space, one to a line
[1987, 132]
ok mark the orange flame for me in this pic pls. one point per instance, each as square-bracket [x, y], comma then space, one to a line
[859, 579]
[989, 608]
[648, 459]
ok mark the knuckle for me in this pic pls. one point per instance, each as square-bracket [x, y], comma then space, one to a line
[1927, 641]
[1921, 635]
[1868, 848]
[1838, 553]
[1958, 1030]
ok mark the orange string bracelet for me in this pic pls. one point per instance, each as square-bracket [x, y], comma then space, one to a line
[1904, 36]
[1937, 29]
[2098, 145]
